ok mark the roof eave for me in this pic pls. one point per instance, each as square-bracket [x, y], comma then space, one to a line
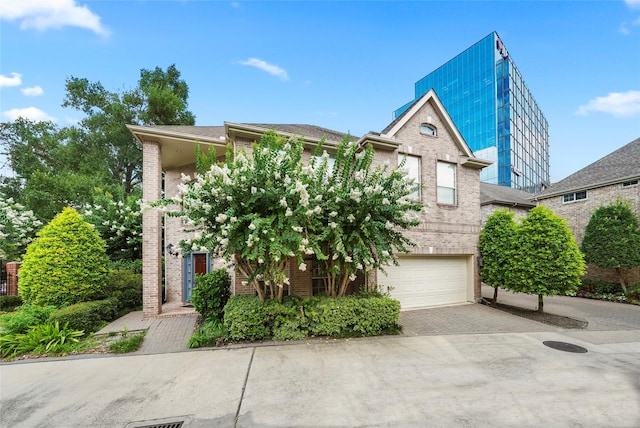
[589, 187]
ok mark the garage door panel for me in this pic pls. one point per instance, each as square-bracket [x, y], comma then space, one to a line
[428, 281]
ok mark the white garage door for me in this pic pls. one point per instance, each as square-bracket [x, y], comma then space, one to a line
[423, 281]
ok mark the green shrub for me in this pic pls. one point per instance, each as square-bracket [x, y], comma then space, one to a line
[211, 294]
[127, 344]
[634, 293]
[9, 303]
[247, 319]
[244, 318]
[87, 316]
[208, 334]
[66, 264]
[24, 317]
[134, 266]
[126, 286]
[43, 338]
[599, 287]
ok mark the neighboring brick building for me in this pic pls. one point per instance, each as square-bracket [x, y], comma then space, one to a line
[575, 198]
[494, 197]
[440, 270]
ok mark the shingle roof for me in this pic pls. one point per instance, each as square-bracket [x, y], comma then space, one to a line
[303, 130]
[618, 166]
[501, 195]
[296, 129]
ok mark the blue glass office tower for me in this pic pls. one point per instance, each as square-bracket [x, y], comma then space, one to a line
[487, 99]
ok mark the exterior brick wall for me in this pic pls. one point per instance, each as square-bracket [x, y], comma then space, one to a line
[151, 231]
[445, 229]
[631, 276]
[12, 278]
[487, 210]
[579, 213]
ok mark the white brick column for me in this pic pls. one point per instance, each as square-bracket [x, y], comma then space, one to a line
[151, 231]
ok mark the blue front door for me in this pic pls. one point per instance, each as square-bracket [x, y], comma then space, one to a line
[194, 264]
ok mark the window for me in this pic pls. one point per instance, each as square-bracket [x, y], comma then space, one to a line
[413, 165]
[330, 162]
[573, 197]
[427, 129]
[318, 279]
[630, 183]
[446, 182]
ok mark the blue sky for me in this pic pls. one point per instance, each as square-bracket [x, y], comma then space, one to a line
[341, 65]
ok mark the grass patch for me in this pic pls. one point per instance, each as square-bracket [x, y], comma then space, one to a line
[127, 343]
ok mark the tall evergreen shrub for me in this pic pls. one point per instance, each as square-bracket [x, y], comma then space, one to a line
[66, 264]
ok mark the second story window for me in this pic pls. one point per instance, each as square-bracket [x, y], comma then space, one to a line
[427, 129]
[446, 183]
[573, 197]
[413, 165]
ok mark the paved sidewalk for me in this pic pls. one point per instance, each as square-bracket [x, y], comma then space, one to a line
[164, 335]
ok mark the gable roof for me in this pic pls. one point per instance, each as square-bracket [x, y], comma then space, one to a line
[502, 195]
[396, 125]
[617, 167]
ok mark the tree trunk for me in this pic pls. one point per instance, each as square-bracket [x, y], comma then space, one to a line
[343, 282]
[621, 278]
[495, 295]
[540, 303]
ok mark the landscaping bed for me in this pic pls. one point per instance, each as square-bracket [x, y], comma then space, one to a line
[543, 317]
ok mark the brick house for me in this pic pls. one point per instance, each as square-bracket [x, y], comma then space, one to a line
[575, 198]
[440, 270]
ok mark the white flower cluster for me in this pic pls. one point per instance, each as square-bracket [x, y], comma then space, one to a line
[17, 226]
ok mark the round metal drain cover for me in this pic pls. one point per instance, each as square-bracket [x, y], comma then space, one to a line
[564, 346]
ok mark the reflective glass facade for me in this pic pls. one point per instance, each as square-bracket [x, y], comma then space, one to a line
[486, 97]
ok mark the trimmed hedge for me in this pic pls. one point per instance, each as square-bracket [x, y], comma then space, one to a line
[246, 318]
[86, 316]
[9, 303]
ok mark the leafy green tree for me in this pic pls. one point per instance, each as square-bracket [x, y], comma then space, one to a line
[497, 248]
[159, 99]
[612, 239]
[66, 264]
[363, 210]
[547, 260]
[53, 167]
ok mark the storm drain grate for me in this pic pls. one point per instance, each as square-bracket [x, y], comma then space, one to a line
[177, 424]
[564, 346]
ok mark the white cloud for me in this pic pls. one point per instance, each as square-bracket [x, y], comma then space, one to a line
[633, 4]
[616, 104]
[265, 66]
[32, 92]
[14, 80]
[45, 14]
[32, 113]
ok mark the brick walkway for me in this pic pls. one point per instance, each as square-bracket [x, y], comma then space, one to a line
[164, 335]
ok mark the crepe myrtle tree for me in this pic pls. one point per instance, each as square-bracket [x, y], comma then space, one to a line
[612, 239]
[268, 209]
[547, 260]
[363, 210]
[252, 210]
[17, 228]
[497, 247]
[117, 218]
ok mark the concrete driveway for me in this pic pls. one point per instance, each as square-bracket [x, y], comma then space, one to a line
[479, 380]
[468, 365]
